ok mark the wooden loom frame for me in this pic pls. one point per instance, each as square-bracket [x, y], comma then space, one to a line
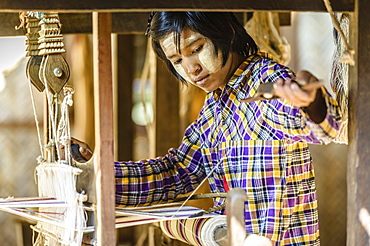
[125, 16]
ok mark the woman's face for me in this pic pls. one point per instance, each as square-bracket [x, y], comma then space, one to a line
[197, 61]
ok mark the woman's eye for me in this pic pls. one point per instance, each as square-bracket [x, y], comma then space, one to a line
[198, 49]
[178, 61]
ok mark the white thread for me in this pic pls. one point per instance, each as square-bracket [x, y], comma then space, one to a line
[36, 121]
[6, 199]
[59, 181]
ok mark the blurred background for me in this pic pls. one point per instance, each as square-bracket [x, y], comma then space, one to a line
[310, 36]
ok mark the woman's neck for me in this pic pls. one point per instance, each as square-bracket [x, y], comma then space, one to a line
[235, 61]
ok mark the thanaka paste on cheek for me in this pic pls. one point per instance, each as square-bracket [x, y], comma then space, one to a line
[209, 59]
[182, 72]
[169, 47]
[207, 56]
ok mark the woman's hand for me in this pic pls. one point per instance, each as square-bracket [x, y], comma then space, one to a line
[302, 92]
[80, 151]
[308, 94]
[84, 149]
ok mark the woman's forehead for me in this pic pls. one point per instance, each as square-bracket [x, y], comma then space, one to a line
[187, 38]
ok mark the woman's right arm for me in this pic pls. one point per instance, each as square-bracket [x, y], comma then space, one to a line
[161, 179]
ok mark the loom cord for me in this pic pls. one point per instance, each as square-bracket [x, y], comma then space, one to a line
[200, 196]
[210, 210]
[36, 121]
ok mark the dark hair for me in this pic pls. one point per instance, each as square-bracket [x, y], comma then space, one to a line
[223, 29]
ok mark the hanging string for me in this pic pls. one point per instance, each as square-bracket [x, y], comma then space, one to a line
[36, 122]
[64, 132]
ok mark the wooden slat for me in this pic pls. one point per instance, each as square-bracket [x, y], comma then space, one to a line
[165, 130]
[125, 75]
[358, 161]
[285, 19]
[167, 105]
[103, 99]
[8, 22]
[130, 22]
[144, 5]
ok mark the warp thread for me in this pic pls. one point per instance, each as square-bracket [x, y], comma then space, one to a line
[59, 181]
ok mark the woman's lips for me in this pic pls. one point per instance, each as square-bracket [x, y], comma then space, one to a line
[201, 80]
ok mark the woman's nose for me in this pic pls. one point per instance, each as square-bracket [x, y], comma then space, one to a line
[192, 67]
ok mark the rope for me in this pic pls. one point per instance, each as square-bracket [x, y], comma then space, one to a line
[339, 78]
[348, 54]
[52, 116]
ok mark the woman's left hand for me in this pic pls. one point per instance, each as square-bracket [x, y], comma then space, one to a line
[302, 94]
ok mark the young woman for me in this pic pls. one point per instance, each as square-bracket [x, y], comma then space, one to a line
[260, 146]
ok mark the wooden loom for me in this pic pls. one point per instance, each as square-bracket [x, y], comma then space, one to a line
[358, 171]
[59, 211]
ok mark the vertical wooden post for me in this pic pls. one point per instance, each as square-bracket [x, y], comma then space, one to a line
[235, 211]
[104, 156]
[359, 128]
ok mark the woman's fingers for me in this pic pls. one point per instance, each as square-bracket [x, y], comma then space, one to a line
[299, 95]
[304, 77]
[86, 153]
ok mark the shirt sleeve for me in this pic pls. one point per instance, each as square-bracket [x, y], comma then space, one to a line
[294, 123]
[328, 129]
[163, 178]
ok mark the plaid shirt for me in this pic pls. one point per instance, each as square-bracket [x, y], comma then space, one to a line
[260, 146]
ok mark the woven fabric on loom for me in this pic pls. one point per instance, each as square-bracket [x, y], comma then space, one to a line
[199, 231]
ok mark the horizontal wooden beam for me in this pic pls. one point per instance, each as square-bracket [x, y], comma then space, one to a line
[80, 23]
[145, 5]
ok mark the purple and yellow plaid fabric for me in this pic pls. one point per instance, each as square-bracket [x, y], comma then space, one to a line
[260, 146]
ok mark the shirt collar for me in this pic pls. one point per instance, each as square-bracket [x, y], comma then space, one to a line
[238, 76]
[240, 73]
